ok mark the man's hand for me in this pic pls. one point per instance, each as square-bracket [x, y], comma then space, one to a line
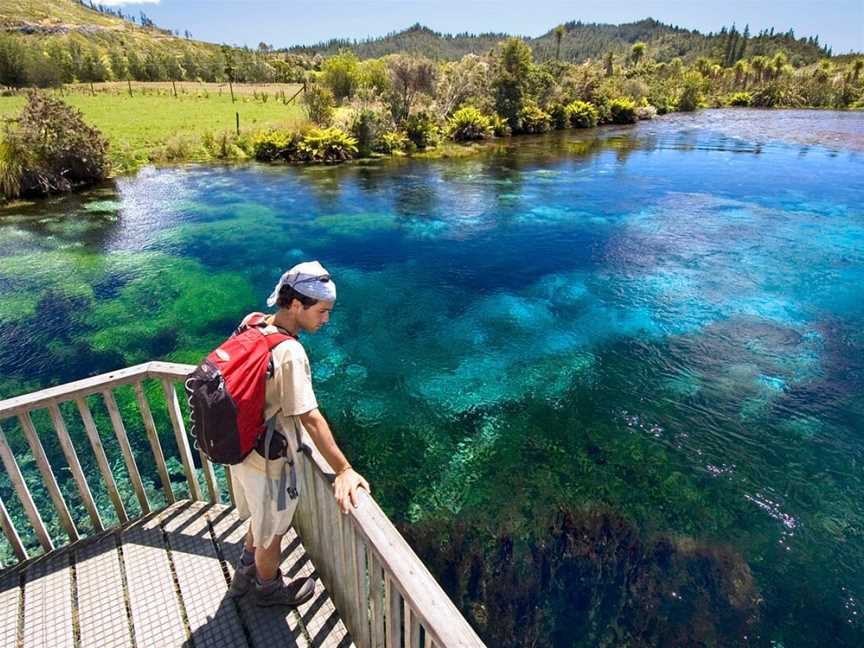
[345, 488]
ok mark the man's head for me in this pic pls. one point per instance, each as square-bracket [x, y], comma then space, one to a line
[305, 295]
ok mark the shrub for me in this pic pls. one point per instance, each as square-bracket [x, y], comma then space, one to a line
[13, 162]
[327, 145]
[393, 142]
[469, 124]
[273, 145]
[741, 99]
[532, 119]
[622, 111]
[560, 115]
[646, 112]
[365, 125]
[583, 114]
[691, 93]
[422, 130]
[500, 126]
[340, 73]
[62, 151]
[319, 103]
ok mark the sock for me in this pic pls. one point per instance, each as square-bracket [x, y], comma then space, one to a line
[248, 557]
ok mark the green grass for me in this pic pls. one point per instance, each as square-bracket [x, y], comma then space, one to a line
[143, 128]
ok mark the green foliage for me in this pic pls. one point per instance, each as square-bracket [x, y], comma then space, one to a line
[422, 129]
[367, 125]
[341, 74]
[533, 119]
[510, 80]
[560, 115]
[740, 99]
[409, 79]
[499, 125]
[583, 114]
[319, 103]
[273, 145]
[622, 111]
[327, 145]
[393, 142]
[61, 151]
[13, 163]
[469, 124]
[691, 96]
[373, 75]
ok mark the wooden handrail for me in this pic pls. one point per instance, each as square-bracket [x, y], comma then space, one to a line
[406, 577]
[382, 590]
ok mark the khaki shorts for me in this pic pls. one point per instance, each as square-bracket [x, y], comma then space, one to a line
[251, 496]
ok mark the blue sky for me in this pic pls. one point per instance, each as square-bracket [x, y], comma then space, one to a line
[838, 23]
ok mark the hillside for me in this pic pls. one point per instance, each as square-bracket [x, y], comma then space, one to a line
[48, 42]
[580, 41]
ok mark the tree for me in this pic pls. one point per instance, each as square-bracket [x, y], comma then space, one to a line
[559, 34]
[466, 80]
[339, 74]
[408, 78]
[637, 52]
[510, 80]
[609, 64]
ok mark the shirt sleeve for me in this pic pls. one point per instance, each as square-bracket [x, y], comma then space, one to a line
[294, 380]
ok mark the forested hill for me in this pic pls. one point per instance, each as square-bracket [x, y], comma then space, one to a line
[581, 41]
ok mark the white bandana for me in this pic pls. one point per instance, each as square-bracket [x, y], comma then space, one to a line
[310, 279]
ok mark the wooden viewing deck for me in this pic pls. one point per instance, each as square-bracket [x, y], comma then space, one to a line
[161, 579]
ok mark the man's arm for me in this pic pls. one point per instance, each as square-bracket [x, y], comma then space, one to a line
[347, 479]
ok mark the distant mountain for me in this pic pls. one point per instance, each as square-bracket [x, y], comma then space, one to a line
[582, 41]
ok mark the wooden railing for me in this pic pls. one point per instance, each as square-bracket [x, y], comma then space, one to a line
[384, 594]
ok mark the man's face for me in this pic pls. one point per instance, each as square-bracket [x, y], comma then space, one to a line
[313, 318]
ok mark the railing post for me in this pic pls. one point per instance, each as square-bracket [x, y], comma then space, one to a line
[23, 492]
[11, 533]
[155, 446]
[126, 449]
[75, 465]
[48, 479]
[182, 440]
[101, 459]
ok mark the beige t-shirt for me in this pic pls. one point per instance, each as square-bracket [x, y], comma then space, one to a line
[289, 393]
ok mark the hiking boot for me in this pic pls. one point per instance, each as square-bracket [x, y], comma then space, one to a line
[278, 592]
[244, 575]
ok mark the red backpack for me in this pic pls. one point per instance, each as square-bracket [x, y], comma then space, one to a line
[226, 392]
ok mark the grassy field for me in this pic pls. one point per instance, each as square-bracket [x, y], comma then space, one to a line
[153, 125]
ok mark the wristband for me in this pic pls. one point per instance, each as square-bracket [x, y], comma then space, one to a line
[345, 469]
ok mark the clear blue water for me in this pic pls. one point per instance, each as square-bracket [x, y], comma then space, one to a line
[665, 321]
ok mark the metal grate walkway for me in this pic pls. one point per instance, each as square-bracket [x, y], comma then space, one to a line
[161, 581]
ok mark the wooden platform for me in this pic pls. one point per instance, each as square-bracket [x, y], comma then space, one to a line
[161, 581]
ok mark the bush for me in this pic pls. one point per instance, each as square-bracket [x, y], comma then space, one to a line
[319, 103]
[327, 145]
[560, 115]
[340, 74]
[500, 126]
[583, 114]
[691, 93]
[469, 124]
[741, 99]
[50, 149]
[393, 142]
[422, 130]
[366, 126]
[270, 146]
[622, 111]
[532, 119]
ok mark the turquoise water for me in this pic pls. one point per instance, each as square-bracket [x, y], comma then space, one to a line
[664, 323]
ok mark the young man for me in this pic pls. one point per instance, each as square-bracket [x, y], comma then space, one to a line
[305, 296]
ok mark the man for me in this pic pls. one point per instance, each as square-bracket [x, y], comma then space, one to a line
[305, 296]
